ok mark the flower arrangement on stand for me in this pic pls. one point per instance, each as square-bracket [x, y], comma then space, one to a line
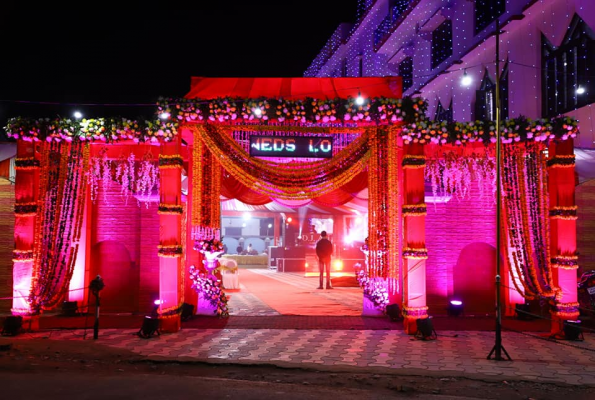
[374, 289]
[209, 288]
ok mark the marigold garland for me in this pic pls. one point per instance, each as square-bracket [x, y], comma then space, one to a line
[171, 209]
[26, 163]
[170, 251]
[560, 212]
[567, 311]
[414, 210]
[415, 312]
[289, 181]
[206, 192]
[562, 161]
[22, 255]
[415, 253]
[170, 312]
[25, 209]
[565, 262]
[524, 179]
[62, 184]
[411, 161]
[170, 161]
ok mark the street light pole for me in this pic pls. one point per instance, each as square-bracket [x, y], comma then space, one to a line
[498, 348]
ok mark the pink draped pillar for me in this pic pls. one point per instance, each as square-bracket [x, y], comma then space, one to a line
[170, 248]
[563, 231]
[414, 237]
[26, 188]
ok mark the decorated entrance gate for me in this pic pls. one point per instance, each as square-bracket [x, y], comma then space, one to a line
[382, 139]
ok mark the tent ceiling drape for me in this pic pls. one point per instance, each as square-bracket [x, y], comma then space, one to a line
[294, 88]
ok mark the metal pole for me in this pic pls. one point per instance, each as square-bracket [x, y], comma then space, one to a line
[96, 325]
[498, 348]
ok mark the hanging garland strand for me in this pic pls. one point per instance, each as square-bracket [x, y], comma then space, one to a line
[206, 191]
[56, 242]
[524, 182]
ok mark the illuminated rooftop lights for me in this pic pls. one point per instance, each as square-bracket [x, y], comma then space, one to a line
[164, 115]
[580, 90]
[77, 115]
[467, 79]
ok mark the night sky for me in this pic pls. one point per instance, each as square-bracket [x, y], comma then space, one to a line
[70, 56]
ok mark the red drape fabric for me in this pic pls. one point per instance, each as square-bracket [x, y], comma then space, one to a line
[231, 188]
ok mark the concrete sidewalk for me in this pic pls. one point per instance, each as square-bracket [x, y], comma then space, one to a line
[453, 353]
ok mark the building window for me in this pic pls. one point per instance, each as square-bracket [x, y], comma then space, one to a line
[406, 72]
[360, 65]
[443, 114]
[344, 67]
[485, 100]
[567, 79]
[486, 11]
[441, 43]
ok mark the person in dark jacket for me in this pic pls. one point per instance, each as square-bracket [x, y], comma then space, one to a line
[324, 249]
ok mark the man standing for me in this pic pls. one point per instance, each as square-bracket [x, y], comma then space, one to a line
[324, 249]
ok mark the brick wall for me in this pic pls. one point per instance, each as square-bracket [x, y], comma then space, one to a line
[585, 225]
[137, 228]
[450, 227]
[6, 243]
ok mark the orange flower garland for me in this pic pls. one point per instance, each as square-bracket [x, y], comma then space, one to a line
[415, 312]
[565, 262]
[58, 225]
[290, 181]
[560, 212]
[206, 192]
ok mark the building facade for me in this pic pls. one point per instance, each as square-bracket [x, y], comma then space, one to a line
[546, 67]
[547, 56]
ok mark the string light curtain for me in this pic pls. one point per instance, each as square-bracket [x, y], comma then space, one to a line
[62, 189]
[524, 182]
[285, 181]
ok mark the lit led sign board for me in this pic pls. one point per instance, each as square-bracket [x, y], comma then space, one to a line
[291, 146]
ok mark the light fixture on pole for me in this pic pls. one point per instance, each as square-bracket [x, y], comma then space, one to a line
[77, 115]
[498, 348]
[359, 99]
[580, 90]
[466, 80]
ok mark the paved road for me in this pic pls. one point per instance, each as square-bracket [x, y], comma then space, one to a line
[458, 353]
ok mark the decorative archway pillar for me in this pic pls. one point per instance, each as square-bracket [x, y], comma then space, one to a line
[25, 208]
[563, 215]
[170, 235]
[414, 237]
